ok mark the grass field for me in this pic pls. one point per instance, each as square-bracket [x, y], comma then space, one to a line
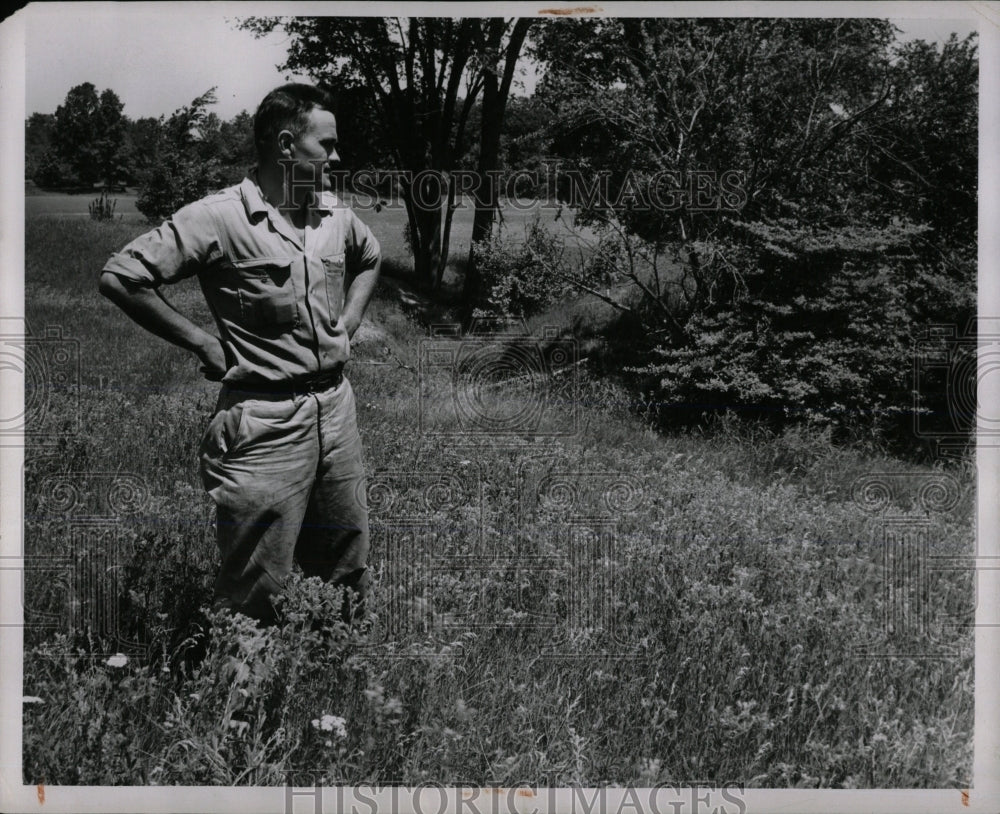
[580, 601]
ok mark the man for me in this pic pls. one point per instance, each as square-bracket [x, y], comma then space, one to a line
[287, 274]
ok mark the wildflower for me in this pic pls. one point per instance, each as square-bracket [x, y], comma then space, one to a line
[117, 660]
[331, 723]
[239, 726]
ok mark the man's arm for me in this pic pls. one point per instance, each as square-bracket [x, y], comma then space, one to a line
[360, 289]
[150, 309]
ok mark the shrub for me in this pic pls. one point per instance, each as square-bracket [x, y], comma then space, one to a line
[803, 325]
[54, 173]
[185, 167]
[175, 179]
[520, 278]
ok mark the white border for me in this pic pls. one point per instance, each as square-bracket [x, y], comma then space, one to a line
[985, 793]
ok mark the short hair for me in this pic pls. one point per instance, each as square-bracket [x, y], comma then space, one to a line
[287, 108]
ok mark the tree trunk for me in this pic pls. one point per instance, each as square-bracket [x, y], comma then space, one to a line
[425, 236]
[496, 89]
[449, 214]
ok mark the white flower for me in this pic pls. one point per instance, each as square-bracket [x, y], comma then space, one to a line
[31, 699]
[117, 660]
[331, 723]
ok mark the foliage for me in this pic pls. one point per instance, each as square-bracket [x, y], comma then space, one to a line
[410, 74]
[88, 137]
[186, 166]
[37, 144]
[762, 179]
[821, 329]
[726, 654]
[522, 277]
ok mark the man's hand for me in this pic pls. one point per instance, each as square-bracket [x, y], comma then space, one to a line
[213, 358]
[360, 288]
[148, 307]
[351, 324]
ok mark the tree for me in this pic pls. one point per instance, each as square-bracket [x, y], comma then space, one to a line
[186, 166]
[37, 142]
[235, 146]
[143, 143]
[795, 285]
[422, 76]
[499, 43]
[89, 134]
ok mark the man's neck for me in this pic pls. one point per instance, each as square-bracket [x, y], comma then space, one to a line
[281, 194]
[294, 203]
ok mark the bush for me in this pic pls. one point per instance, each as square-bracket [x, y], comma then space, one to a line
[54, 173]
[814, 326]
[173, 181]
[521, 278]
[186, 166]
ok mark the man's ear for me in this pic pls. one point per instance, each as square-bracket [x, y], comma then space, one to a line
[286, 143]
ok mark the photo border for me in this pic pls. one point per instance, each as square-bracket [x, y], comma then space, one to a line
[985, 791]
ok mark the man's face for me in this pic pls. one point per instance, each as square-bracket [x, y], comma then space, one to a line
[313, 149]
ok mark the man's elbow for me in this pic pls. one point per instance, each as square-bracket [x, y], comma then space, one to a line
[116, 289]
[109, 284]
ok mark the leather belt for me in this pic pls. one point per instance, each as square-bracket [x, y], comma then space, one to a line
[295, 387]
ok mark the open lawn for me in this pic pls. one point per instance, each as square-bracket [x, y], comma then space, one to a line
[565, 596]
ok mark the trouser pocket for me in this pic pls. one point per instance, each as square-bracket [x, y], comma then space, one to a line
[224, 432]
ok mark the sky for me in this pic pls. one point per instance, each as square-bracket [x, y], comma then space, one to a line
[158, 57]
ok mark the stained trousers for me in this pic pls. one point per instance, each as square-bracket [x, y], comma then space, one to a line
[287, 478]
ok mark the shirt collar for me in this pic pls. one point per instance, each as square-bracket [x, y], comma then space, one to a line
[255, 204]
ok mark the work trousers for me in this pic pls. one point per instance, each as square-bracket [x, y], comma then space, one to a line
[287, 478]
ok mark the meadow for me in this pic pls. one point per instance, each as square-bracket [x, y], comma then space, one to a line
[566, 596]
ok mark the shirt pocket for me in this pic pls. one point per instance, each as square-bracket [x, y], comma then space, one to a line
[265, 294]
[333, 271]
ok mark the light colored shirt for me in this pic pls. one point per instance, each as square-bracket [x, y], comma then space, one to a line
[277, 299]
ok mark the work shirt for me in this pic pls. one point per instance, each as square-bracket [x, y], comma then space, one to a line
[276, 299]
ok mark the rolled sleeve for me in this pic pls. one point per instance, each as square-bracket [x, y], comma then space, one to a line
[176, 249]
[363, 250]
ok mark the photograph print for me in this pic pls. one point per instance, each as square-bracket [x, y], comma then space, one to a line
[542, 401]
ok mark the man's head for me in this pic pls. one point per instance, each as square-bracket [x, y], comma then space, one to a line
[294, 124]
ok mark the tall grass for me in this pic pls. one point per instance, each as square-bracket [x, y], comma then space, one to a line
[685, 608]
